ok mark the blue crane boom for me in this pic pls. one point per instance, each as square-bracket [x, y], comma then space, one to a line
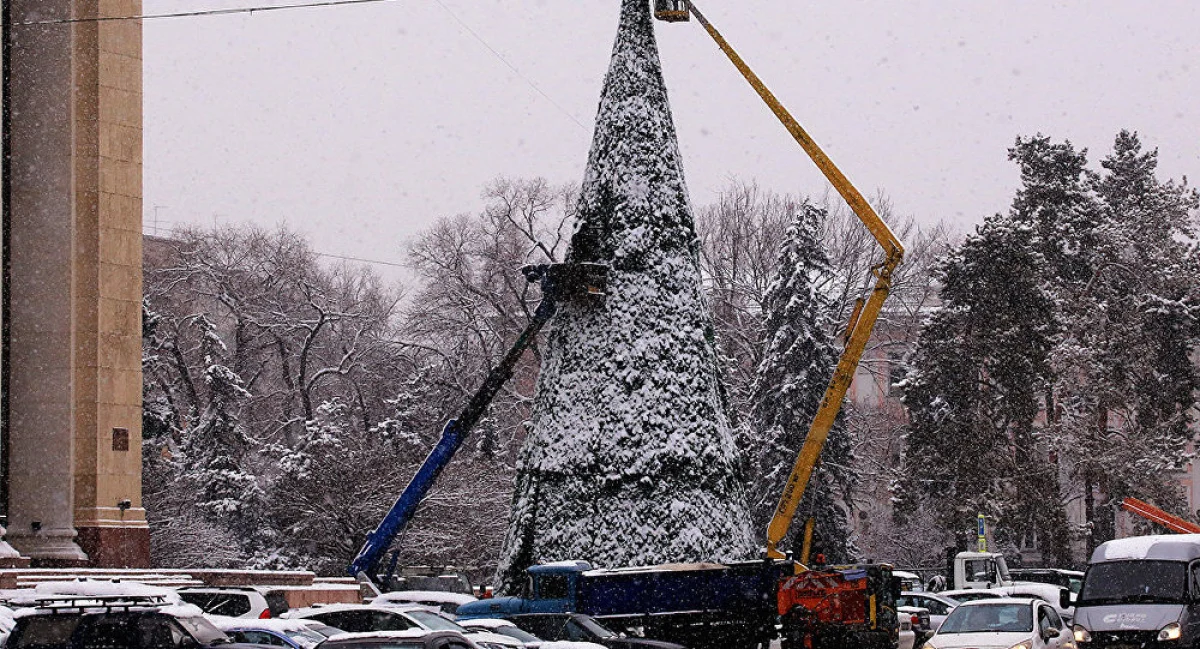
[559, 282]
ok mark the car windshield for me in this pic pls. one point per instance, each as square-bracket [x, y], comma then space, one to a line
[434, 621]
[594, 627]
[515, 632]
[324, 629]
[305, 635]
[989, 618]
[1125, 582]
[202, 630]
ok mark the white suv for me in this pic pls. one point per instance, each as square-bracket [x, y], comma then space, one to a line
[244, 602]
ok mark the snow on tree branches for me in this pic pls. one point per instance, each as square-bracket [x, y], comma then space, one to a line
[631, 459]
[799, 357]
[1059, 367]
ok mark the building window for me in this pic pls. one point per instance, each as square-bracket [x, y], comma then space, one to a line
[896, 370]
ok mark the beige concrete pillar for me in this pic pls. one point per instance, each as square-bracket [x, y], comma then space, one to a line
[108, 287]
[41, 424]
[75, 367]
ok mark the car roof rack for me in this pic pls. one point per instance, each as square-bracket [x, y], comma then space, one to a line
[56, 604]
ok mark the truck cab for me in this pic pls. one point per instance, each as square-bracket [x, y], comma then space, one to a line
[980, 570]
[549, 588]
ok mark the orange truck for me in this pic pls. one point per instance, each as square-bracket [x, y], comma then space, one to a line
[840, 606]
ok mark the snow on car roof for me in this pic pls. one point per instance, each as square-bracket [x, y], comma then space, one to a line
[426, 596]
[98, 588]
[974, 593]
[1003, 601]
[407, 634]
[1172, 547]
[486, 623]
[327, 608]
[271, 624]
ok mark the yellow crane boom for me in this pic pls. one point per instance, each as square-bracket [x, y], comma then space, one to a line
[862, 322]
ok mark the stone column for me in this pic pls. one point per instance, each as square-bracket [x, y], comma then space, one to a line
[41, 381]
[108, 287]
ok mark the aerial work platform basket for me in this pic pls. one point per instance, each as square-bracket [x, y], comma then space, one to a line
[672, 11]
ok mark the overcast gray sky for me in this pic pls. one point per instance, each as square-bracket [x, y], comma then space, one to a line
[360, 125]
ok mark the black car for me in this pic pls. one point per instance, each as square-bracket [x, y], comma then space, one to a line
[106, 627]
[576, 627]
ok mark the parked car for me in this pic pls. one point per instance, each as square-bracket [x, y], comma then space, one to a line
[909, 581]
[908, 639]
[1018, 623]
[432, 619]
[506, 627]
[448, 602]
[1057, 596]
[922, 624]
[938, 606]
[294, 634]
[6, 623]
[575, 627]
[106, 617]
[410, 639]
[369, 618]
[356, 618]
[1069, 579]
[240, 601]
[972, 594]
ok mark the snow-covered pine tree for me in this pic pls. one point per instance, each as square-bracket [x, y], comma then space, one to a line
[978, 373]
[798, 360]
[630, 459]
[213, 450]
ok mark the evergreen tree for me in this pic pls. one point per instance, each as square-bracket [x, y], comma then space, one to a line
[1125, 378]
[631, 460]
[799, 357]
[1079, 306]
[973, 392]
[213, 450]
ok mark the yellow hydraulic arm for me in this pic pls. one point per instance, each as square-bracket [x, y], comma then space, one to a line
[862, 322]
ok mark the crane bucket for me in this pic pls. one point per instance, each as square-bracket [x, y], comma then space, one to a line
[672, 11]
[568, 281]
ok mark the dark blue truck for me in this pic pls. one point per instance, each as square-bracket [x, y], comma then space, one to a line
[705, 605]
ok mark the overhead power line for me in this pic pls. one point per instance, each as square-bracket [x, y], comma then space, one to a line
[207, 12]
[512, 67]
[361, 260]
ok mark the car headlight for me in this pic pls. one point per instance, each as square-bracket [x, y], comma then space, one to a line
[1170, 632]
[1028, 644]
[1081, 634]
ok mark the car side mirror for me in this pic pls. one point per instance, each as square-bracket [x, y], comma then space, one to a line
[1051, 633]
[1064, 599]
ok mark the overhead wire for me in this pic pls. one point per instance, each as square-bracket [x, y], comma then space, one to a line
[310, 5]
[361, 260]
[510, 66]
[206, 12]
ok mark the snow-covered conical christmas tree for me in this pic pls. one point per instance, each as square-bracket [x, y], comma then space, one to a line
[630, 459]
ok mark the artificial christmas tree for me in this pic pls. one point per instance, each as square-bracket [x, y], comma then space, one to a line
[630, 459]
